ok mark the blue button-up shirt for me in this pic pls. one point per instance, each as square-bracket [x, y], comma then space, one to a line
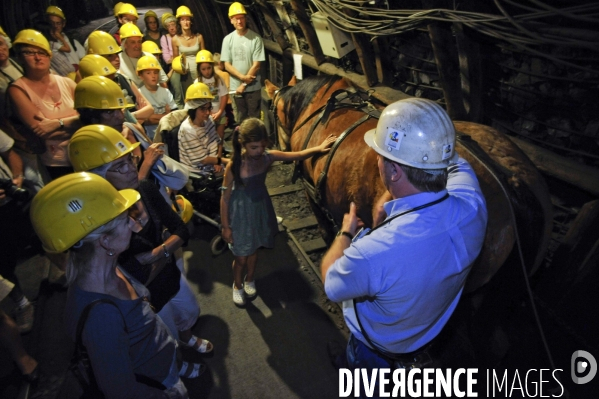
[408, 275]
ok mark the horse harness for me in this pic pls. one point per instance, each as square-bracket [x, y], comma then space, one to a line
[340, 99]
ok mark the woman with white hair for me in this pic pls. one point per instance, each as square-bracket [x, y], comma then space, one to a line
[125, 340]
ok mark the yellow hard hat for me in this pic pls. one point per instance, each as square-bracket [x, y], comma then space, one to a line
[102, 43]
[129, 30]
[185, 208]
[150, 47]
[69, 208]
[148, 62]
[198, 91]
[183, 11]
[204, 56]
[236, 9]
[179, 64]
[53, 10]
[127, 8]
[151, 14]
[98, 92]
[95, 65]
[96, 145]
[117, 6]
[31, 37]
[165, 17]
[2, 32]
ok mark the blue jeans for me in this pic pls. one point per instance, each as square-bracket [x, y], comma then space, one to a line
[360, 356]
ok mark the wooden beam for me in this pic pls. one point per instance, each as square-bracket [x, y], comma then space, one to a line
[449, 72]
[471, 73]
[365, 52]
[272, 23]
[308, 29]
[582, 176]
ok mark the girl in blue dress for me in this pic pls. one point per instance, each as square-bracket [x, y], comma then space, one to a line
[247, 215]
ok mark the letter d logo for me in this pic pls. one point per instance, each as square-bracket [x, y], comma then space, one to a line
[580, 366]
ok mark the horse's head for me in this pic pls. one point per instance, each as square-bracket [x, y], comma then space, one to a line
[293, 104]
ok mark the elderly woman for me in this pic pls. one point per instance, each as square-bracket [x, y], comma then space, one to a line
[43, 103]
[83, 214]
[151, 258]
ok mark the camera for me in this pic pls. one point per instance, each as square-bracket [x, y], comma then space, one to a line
[12, 191]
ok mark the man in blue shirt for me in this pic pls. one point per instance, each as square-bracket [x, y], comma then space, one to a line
[405, 277]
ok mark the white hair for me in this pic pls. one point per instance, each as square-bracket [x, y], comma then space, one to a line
[7, 40]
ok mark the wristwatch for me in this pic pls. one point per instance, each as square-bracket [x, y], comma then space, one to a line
[345, 233]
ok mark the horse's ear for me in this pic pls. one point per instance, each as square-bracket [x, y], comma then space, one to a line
[270, 88]
[292, 81]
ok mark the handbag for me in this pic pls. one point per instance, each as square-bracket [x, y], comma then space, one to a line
[168, 172]
[80, 381]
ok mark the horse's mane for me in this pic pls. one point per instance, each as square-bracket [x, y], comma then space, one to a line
[298, 97]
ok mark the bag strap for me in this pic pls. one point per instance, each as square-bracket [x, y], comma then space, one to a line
[85, 315]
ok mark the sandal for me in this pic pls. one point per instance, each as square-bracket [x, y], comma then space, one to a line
[238, 296]
[205, 347]
[249, 288]
[192, 370]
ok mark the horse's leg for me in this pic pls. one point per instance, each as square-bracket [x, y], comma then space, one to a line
[325, 226]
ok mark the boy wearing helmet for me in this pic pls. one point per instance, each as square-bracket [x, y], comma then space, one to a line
[148, 69]
[401, 281]
[242, 51]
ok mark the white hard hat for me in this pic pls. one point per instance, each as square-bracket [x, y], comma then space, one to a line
[415, 132]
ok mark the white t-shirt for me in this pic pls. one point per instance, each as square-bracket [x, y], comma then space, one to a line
[159, 100]
[217, 92]
[128, 68]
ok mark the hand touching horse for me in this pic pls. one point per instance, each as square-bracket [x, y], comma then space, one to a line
[323, 105]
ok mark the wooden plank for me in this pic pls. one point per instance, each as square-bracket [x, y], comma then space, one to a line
[572, 172]
[309, 221]
[285, 189]
[383, 93]
[314, 245]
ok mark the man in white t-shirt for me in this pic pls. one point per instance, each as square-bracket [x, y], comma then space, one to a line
[242, 51]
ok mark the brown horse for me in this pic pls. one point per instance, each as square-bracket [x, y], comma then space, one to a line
[318, 106]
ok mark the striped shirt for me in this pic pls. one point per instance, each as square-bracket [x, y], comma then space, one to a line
[197, 143]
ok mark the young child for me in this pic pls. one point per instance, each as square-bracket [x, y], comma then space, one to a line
[247, 214]
[161, 99]
[218, 88]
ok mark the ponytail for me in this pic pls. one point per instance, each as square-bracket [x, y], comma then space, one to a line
[236, 167]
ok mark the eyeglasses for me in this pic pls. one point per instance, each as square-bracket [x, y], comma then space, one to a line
[27, 53]
[125, 167]
[52, 23]
[206, 108]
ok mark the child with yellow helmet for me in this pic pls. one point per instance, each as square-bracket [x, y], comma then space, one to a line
[208, 75]
[148, 68]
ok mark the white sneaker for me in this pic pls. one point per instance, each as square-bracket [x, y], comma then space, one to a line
[238, 296]
[249, 288]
